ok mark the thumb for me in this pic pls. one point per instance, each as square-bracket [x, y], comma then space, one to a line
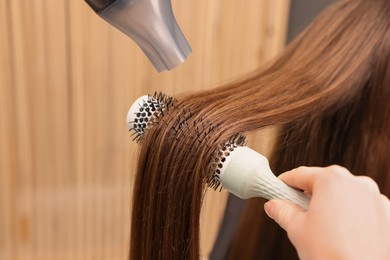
[283, 212]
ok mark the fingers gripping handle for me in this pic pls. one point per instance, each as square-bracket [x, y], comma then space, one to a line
[277, 189]
[247, 174]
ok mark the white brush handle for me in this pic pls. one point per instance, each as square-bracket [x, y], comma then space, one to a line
[247, 174]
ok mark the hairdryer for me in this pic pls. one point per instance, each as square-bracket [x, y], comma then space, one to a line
[151, 24]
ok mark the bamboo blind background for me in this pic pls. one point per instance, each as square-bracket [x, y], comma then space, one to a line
[67, 79]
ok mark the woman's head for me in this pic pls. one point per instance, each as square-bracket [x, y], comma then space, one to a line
[328, 92]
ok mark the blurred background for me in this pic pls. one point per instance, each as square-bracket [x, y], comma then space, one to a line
[67, 79]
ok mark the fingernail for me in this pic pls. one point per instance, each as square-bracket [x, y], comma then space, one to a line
[269, 209]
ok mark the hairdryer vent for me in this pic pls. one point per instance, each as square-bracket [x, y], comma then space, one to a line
[151, 24]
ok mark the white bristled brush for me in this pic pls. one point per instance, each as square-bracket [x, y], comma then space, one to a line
[247, 174]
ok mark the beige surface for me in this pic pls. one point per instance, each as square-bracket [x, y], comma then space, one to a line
[67, 79]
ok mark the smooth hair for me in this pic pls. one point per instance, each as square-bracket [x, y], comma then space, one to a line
[329, 94]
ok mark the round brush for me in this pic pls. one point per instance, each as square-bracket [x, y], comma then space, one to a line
[145, 110]
[247, 174]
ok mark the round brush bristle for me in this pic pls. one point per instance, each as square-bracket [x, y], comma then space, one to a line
[137, 117]
[144, 111]
[220, 158]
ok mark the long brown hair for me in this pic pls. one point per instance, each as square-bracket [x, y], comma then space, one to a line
[329, 92]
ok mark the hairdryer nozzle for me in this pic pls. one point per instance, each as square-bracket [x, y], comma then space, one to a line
[151, 24]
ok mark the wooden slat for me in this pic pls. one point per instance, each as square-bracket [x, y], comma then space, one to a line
[23, 211]
[77, 112]
[7, 130]
[41, 129]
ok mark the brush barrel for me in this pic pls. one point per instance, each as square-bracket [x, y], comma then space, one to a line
[134, 110]
[247, 174]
